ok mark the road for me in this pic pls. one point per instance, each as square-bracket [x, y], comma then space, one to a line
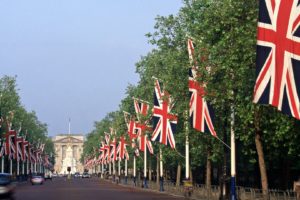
[84, 189]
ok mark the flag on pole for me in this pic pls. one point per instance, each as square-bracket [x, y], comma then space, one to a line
[141, 110]
[278, 56]
[121, 150]
[201, 113]
[131, 125]
[19, 151]
[164, 122]
[10, 148]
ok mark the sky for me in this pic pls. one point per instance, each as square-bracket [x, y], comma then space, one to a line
[73, 58]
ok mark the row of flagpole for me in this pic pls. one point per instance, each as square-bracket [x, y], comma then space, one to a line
[164, 124]
[15, 147]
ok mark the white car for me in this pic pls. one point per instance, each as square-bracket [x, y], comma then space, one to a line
[37, 180]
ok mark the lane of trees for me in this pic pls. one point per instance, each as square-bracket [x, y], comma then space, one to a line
[224, 33]
[26, 124]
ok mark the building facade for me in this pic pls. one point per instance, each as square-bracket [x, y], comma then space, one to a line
[68, 150]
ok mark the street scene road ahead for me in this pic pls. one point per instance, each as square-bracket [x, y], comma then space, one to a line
[87, 189]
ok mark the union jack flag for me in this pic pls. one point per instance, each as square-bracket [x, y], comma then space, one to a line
[10, 148]
[141, 108]
[201, 113]
[143, 142]
[131, 125]
[102, 150]
[19, 149]
[278, 55]
[164, 122]
[2, 147]
[113, 151]
[33, 158]
[24, 149]
[106, 157]
[121, 150]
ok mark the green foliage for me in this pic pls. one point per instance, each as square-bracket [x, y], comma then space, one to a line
[27, 122]
[224, 33]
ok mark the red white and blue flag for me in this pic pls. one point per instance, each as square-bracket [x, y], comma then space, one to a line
[24, 150]
[102, 150]
[19, 149]
[145, 142]
[201, 113]
[278, 55]
[141, 110]
[10, 148]
[131, 125]
[164, 122]
[121, 150]
[113, 145]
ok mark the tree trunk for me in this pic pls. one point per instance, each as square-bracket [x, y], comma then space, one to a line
[261, 162]
[260, 153]
[178, 177]
[208, 170]
[191, 175]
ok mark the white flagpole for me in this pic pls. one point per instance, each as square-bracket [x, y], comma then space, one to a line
[187, 149]
[69, 126]
[114, 168]
[18, 167]
[134, 170]
[2, 164]
[119, 167]
[145, 164]
[232, 156]
[102, 170]
[125, 171]
[27, 166]
[109, 166]
[161, 188]
[10, 166]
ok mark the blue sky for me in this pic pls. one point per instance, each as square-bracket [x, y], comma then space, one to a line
[74, 58]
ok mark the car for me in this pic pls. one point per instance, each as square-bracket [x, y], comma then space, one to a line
[86, 175]
[77, 175]
[7, 187]
[48, 176]
[37, 179]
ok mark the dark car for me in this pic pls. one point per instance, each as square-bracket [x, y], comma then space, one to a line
[7, 188]
[48, 175]
[86, 175]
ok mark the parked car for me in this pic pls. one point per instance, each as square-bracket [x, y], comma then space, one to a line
[48, 175]
[86, 175]
[37, 179]
[7, 188]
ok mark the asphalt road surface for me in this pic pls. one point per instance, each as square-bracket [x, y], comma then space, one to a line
[84, 189]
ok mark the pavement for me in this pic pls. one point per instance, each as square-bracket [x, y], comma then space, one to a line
[85, 189]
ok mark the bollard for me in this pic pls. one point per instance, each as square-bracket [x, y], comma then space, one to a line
[145, 182]
[161, 184]
[134, 181]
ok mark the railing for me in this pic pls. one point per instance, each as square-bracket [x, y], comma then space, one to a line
[213, 193]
